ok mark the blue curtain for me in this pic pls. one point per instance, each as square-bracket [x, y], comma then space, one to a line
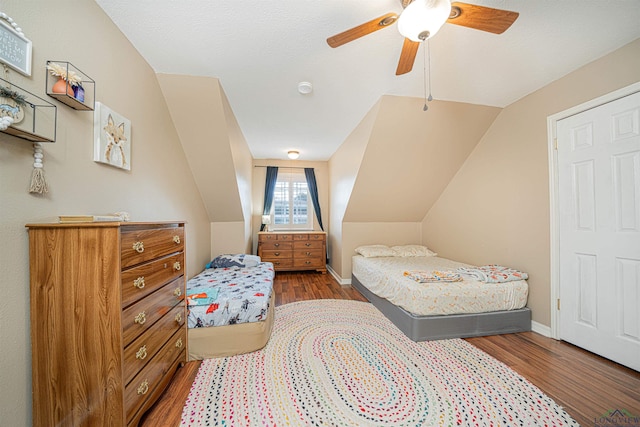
[313, 190]
[269, 186]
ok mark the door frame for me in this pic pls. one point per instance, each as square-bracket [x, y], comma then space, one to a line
[553, 191]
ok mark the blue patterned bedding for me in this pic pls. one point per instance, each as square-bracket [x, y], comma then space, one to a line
[229, 296]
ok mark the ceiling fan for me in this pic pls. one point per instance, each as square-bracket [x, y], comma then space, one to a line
[421, 19]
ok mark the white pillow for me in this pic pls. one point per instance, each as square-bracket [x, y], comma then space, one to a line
[371, 251]
[412, 250]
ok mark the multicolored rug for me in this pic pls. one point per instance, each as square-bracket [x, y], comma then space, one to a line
[342, 363]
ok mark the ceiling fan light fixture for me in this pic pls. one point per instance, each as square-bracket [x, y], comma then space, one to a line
[293, 154]
[423, 18]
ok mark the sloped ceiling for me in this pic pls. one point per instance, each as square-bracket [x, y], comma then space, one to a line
[412, 156]
[260, 50]
[204, 130]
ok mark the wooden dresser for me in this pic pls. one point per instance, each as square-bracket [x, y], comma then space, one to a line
[291, 251]
[108, 317]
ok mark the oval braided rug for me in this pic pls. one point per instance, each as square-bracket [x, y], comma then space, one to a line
[342, 363]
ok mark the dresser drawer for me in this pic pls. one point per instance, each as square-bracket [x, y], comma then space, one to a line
[267, 237]
[140, 245]
[303, 263]
[145, 347]
[280, 263]
[307, 244]
[143, 279]
[274, 245]
[144, 384]
[276, 255]
[140, 316]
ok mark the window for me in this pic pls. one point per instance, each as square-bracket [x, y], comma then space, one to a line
[292, 206]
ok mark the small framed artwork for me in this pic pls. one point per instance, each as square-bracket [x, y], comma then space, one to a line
[112, 135]
[15, 48]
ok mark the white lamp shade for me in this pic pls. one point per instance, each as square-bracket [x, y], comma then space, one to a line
[266, 219]
[423, 18]
[293, 154]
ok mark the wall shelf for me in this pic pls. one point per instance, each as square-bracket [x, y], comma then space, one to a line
[35, 120]
[77, 96]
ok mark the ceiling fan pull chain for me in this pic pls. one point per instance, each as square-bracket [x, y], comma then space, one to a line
[430, 98]
[424, 67]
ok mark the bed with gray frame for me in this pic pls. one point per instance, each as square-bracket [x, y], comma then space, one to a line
[421, 327]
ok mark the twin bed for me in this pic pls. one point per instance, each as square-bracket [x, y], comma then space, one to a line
[230, 307]
[439, 309]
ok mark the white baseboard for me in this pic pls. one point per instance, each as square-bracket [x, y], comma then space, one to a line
[339, 279]
[541, 329]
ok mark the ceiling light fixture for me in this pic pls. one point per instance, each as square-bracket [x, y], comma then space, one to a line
[293, 154]
[423, 18]
[305, 88]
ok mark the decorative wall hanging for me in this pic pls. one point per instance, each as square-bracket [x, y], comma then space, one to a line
[38, 182]
[69, 85]
[26, 115]
[112, 134]
[15, 48]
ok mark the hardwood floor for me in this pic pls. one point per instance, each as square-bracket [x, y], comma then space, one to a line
[585, 385]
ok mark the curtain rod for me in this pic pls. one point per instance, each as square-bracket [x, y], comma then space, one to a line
[280, 167]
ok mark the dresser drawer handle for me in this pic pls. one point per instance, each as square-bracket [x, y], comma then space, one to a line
[307, 253]
[176, 266]
[178, 318]
[307, 244]
[144, 387]
[140, 318]
[177, 292]
[179, 343]
[176, 239]
[139, 282]
[138, 247]
[307, 262]
[142, 353]
[276, 245]
[277, 253]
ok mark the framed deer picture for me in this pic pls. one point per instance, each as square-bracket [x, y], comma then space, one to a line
[112, 135]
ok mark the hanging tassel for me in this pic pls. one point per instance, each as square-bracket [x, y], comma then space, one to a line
[38, 181]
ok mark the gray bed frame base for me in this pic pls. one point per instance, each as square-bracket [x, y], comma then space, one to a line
[427, 328]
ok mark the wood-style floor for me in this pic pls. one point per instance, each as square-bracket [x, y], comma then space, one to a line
[585, 385]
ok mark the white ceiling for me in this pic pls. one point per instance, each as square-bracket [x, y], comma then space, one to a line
[261, 50]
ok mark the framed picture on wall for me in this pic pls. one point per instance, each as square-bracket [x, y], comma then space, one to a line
[112, 137]
[15, 48]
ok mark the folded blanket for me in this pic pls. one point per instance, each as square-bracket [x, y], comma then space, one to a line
[202, 296]
[433, 276]
[493, 273]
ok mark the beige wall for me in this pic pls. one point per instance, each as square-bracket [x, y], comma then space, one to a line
[259, 175]
[496, 209]
[343, 169]
[159, 186]
[217, 153]
[395, 166]
[228, 238]
[243, 165]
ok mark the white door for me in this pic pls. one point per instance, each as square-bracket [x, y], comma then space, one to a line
[599, 229]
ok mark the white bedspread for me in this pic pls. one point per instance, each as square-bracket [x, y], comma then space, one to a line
[384, 276]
